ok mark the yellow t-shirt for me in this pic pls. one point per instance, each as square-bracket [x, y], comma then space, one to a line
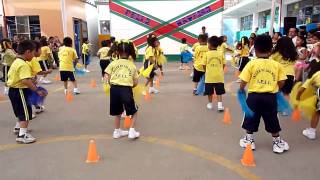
[103, 52]
[195, 45]
[122, 72]
[288, 66]
[245, 51]
[35, 66]
[263, 75]
[223, 47]
[150, 52]
[184, 48]
[19, 70]
[85, 48]
[67, 55]
[198, 57]
[9, 56]
[46, 53]
[214, 61]
[313, 81]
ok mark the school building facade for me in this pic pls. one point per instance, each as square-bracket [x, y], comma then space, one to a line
[243, 17]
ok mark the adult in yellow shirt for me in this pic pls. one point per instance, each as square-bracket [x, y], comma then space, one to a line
[286, 54]
[103, 56]
[21, 85]
[314, 81]
[264, 76]
[214, 62]
[122, 76]
[86, 54]
[8, 57]
[68, 56]
[199, 54]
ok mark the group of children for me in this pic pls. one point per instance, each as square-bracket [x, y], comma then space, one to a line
[275, 66]
[28, 67]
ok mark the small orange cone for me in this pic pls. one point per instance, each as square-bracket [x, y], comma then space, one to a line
[227, 116]
[147, 97]
[127, 122]
[296, 115]
[92, 156]
[236, 73]
[225, 70]
[247, 158]
[69, 97]
[2, 98]
[93, 83]
[57, 77]
[158, 83]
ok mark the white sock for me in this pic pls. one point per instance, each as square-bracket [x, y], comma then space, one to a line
[276, 138]
[116, 129]
[17, 125]
[75, 89]
[131, 129]
[219, 104]
[250, 136]
[22, 131]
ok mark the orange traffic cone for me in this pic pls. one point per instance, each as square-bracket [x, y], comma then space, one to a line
[236, 73]
[158, 83]
[57, 77]
[227, 116]
[225, 70]
[2, 97]
[69, 97]
[147, 96]
[92, 156]
[247, 158]
[93, 83]
[127, 122]
[296, 115]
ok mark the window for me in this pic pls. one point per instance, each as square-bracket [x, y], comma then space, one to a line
[265, 17]
[104, 27]
[24, 26]
[246, 23]
[306, 11]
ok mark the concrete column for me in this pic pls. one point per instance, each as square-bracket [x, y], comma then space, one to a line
[64, 18]
[255, 21]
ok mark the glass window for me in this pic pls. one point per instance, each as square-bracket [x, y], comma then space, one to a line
[246, 22]
[104, 27]
[27, 27]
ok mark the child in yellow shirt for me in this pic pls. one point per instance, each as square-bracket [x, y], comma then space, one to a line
[286, 54]
[45, 59]
[86, 54]
[213, 64]
[103, 56]
[21, 84]
[68, 56]
[8, 57]
[122, 75]
[150, 58]
[199, 53]
[264, 77]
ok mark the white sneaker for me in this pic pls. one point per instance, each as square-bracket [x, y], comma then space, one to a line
[86, 70]
[220, 108]
[153, 90]
[279, 145]
[209, 106]
[245, 141]
[65, 92]
[33, 116]
[76, 91]
[46, 81]
[40, 109]
[309, 133]
[118, 133]
[25, 139]
[133, 134]
[16, 130]
[191, 75]
[6, 91]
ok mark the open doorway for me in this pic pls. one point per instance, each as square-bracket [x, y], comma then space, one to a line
[80, 32]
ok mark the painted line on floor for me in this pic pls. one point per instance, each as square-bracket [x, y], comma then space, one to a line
[189, 149]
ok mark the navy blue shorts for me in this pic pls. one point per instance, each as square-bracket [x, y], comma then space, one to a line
[19, 101]
[121, 98]
[263, 105]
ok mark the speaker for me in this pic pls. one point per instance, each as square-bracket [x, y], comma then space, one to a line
[289, 22]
